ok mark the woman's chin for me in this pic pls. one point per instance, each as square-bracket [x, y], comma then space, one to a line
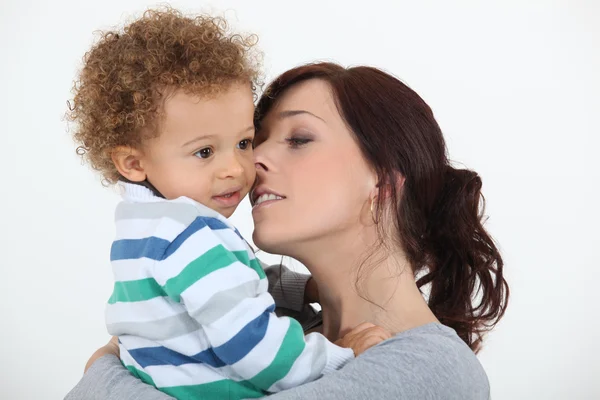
[270, 242]
[260, 240]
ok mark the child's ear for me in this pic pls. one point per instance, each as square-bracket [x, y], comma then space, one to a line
[127, 160]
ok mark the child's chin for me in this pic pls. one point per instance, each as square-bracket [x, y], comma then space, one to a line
[227, 212]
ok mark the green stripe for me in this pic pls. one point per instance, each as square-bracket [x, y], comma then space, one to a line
[243, 257]
[139, 290]
[224, 389]
[141, 375]
[290, 349]
[214, 259]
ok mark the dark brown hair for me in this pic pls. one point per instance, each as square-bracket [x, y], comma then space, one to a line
[129, 71]
[437, 212]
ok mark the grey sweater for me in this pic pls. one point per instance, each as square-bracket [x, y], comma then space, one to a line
[428, 362]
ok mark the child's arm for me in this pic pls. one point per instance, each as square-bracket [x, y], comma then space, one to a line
[225, 290]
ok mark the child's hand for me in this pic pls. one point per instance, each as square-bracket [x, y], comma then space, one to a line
[112, 347]
[363, 337]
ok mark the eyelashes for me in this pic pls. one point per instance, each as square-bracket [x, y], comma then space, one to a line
[245, 144]
[207, 152]
[296, 142]
[204, 153]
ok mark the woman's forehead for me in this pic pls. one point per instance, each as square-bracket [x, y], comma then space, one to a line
[313, 96]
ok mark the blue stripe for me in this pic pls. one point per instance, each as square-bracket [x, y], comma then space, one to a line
[149, 356]
[245, 340]
[199, 223]
[128, 249]
[226, 354]
[239, 234]
[159, 249]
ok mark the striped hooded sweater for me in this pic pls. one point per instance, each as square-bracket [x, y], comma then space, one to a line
[192, 310]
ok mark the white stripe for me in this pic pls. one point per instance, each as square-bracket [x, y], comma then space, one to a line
[142, 311]
[203, 210]
[303, 367]
[232, 241]
[195, 246]
[130, 342]
[263, 354]
[189, 344]
[183, 375]
[225, 328]
[217, 281]
[263, 285]
[132, 270]
[198, 293]
[127, 359]
[169, 375]
[163, 228]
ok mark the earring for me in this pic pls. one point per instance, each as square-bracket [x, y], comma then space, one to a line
[372, 213]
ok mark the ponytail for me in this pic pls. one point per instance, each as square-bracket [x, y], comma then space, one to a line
[468, 292]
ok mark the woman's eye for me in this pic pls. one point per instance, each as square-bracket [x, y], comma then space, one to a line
[204, 153]
[245, 144]
[296, 142]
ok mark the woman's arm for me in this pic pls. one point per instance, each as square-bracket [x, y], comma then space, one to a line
[107, 379]
[428, 362]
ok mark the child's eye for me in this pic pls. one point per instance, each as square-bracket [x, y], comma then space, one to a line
[204, 153]
[244, 144]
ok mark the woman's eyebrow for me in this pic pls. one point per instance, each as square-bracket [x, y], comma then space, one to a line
[291, 113]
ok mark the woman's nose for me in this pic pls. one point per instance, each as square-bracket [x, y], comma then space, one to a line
[260, 160]
[260, 167]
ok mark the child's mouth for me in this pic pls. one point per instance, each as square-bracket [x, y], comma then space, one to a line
[230, 199]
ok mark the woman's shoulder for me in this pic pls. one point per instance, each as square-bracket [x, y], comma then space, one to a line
[431, 336]
[429, 361]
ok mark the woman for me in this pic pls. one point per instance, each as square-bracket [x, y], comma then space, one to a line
[368, 201]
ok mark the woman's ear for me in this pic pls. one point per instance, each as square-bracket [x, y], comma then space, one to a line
[399, 181]
[127, 160]
[384, 188]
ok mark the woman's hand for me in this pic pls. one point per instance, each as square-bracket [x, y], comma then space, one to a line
[311, 291]
[112, 347]
[363, 337]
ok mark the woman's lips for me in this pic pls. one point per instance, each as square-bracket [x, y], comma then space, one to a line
[266, 200]
[259, 193]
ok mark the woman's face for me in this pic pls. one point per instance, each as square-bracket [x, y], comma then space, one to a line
[307, 157]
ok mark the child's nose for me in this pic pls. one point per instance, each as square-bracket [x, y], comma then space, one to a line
[232, 168]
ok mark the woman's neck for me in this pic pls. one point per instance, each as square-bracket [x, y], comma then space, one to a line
[356, 286]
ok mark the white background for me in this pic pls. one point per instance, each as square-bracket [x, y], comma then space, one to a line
[514, 84]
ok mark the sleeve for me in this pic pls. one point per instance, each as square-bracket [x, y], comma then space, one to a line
[429, 362]
[225, 291]
[107, 379]
[286, 286]
[415, 367]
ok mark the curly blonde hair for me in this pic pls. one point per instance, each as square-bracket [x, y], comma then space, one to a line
[128, 73]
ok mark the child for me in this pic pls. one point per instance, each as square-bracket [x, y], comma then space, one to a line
[165, 109]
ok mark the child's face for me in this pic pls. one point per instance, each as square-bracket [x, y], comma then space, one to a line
[204, 150]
